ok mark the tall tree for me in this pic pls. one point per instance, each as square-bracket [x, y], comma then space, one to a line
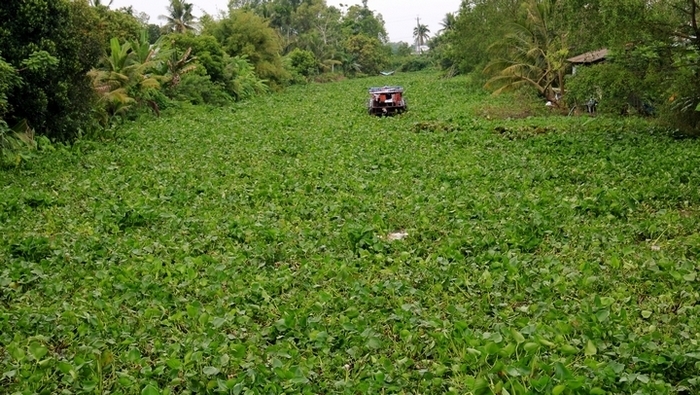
[478, 25]
[365, 54]
[532, 54]
[421, 34]
[243, 33]
[179, 18]
[52, 44]
[448, 23]
[101, 3]
[683, 110]
[362, 20]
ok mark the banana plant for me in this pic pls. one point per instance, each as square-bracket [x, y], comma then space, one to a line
[179, 65]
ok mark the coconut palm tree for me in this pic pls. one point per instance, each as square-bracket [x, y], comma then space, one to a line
[179, 18]
[125, 79]
[101, 3]
[449, 22]
[533, 54]
[421, 33]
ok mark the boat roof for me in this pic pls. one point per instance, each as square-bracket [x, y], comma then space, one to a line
[386, 89]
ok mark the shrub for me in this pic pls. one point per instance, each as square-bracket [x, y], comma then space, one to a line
[616, 89]
[416, 63]
[631, 82]
[329, 77]
[303, 62]
[206, 49]
[245, 34]
[682, 108]
[199, 89]
[241, 80]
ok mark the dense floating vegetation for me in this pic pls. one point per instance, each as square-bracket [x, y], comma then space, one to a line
[248, 250]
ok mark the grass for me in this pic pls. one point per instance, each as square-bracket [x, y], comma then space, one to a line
[247, 250]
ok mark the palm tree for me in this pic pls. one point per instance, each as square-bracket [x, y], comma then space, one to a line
[179, 18]
[532, 54]
[100, 3]
[125, 79]
[421, 33]
[449, 22]
[349, 63]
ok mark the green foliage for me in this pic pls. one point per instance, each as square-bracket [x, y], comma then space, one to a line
[366, 55]
[127, 77]
[682, 108]
[682, 93]
[118, 23]
[360, 20]
[402, 49]
[19, 144]
[291, 245]
[240, 78]
[52, 45]
[154, 32]
[245, 34]
[199, 89]
[532, 54]
[416, 63]
[179, 18]
[303, 62]
[205, 48]
[479, 25]
[8, 80]
[629, 83]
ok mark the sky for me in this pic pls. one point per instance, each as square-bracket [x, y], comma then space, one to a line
[399, 15]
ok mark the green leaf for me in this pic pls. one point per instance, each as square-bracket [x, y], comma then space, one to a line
[590, 349]
[374, 343]
[616, 367]
[531, 347]
[174, 364]
[134, 355]
[16, 352]
[697, 108]
[513, 371]
[211, 371]
[238, 351]
[558, 390]
[150, 390]
[597, 391]
[646, 313]
[37, 351]
[218, 322]
[569, 349]
[299, 380]
[517, 336]
[64, 367]
[602, 315]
